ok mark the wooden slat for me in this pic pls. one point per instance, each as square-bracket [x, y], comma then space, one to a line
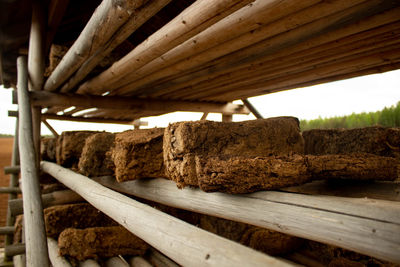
[132, 104]
[15, 249]
[109, 16]
[182, 242]
[352, 224]
[35, 236]
[315, 19]
[253, 110]
[56, 259]
[140, 16]
[54, 132]
[249, 18]
[189, 23]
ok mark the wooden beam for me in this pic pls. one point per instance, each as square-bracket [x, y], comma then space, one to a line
[202, 248]
[15, 249]
[36, 64]
[54, 132]
[160, 259]
[253, 110]
[189, 23]
[135, 104]
[332, 220]
[138, 18]
[254, 43]
[48, 200]
[246, 19]
[7, 230]
[109, 16]
[89, 263]
[55, 258]
[36, 243]
[138, 261]
[204, 116]
[78, 119]
[8, 190]
[12, 169]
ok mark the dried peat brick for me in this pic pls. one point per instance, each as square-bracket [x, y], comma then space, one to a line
[360, 166]
[48, 149]
[69, 147]
[94, 160]
[138, 154]
[245, 175]
[183, 141]
[380, 141]
[96, 242]
[58, 218]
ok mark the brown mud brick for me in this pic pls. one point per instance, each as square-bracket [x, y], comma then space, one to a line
[98, 242]
[380, 141]
[138, 154]
[361, 166]
[84, 215]
[183, 141]
[94, 160]
[69, 147]
[48, 149]
[245, 175]
[267, 241]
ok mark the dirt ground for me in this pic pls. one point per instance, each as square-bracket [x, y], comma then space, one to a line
[6, 145]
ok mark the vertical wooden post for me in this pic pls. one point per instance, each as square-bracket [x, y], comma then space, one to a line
[226, 118]
[35, 236]
[36, 64]
[10, 220]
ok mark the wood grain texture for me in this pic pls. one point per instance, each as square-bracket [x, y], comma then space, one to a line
[171, 236]
[366, 226]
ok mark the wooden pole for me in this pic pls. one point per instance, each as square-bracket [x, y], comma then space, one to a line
[182, 242]
[10, 190]
[55, 258]
[158, 259]
[354, 224]
[189, 23]
[204, 116]
[139, 262]
[36, 245]
[54, 132]
[109, 16]
[15, 169]
[16, 249]
[138, 18]
[89, 263]
[36, 64]
[226, 118]
[48, 200]
[253, 110]
[128, 103]
[309, 15]
[7, 230]
[116, 262]
[246, 19]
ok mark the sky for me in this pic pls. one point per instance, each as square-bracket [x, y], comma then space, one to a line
[362, 94]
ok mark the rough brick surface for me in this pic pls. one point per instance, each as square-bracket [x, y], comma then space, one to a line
[58, 218]
[94, 160]
[246, 175]
[138, 154]
[69, 147]
[380, 141]
[48, 149]
[183, 141]
[361, 166]
[98, 242]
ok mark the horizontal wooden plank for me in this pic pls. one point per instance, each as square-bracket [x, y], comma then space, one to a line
[48, 99]
[184, 243]
[354, 225]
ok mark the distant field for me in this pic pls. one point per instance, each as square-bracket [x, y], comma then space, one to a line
[6, 145]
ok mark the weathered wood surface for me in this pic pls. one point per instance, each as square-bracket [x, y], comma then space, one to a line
[189, 23]
[252, 108]
[367, 226]
[132, 104]
[158, 259]
[171, 236]
[48, 200]
[12, 169]
[138, 18]
[8, 190]
[89, 263]
[139, 262]
[36, 243]
[105, 21]
[55, 259]
[7, 230]
[54, 132]
[116, 262]
[16, 249]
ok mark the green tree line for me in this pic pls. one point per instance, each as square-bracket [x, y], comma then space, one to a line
[389, 116]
